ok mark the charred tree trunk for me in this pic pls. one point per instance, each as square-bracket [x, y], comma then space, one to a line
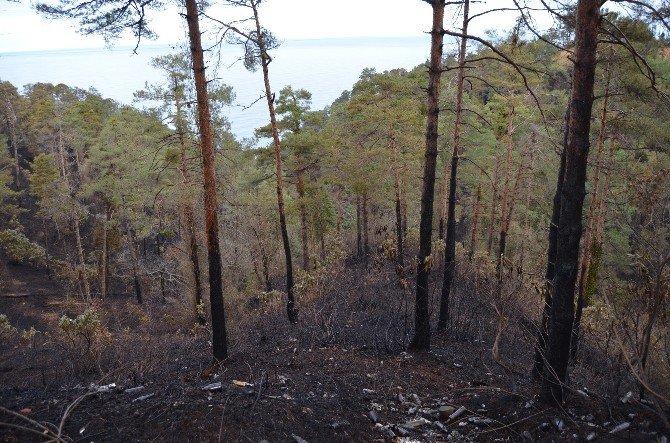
[74, 215]
[587, 243]
[421, 339]
[543, 333]
[494, 202]
[219, 338]
[475, 222]
[103, 254]
[450, 235]
[396, 188]
[187, 209]
[291, 308]
[366, 234]
[572, 199]
[359, 243]
[504, 225]
[303, 215]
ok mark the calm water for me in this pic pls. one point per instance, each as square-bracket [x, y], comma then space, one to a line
[323, 67]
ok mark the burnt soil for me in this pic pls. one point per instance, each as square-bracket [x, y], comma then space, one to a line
[329, 378]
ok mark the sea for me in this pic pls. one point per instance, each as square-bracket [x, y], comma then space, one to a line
[325, 67]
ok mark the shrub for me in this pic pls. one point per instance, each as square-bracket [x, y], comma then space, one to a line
[86, 338]
[21, 250]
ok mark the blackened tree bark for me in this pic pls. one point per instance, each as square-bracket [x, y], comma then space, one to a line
[572, 200]
[542, 334]
[219, 338]
[421, 339]
[475, 222]
[588, 242]
[396, 188]
[450, 235]
[303, 213]
[187, 209]
[291, 308]
[359, 244]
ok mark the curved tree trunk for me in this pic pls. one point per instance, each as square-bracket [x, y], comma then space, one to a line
[291, 308]
[421, 339]
[219, 338]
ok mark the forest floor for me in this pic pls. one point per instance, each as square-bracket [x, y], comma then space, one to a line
[285, 382]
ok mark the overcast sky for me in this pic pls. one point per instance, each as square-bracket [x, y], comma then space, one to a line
[22, 29]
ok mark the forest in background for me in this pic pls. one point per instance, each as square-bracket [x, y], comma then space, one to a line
[322, 231]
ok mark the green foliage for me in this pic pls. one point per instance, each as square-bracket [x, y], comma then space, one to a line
[20, 249]
[85, 337]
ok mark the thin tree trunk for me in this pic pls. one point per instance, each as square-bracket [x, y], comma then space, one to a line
[572, 199]
[366, 236]
[219, 338]
[83, 278]
[421, 339]
[189, 218]
[134, 263]
[450, 236]
[505, 195]
[103, 258]
[396, 188]
[322, 236]
[291, 308]
[359, 244]
[475, 222]
[494, 202]
[303, 215]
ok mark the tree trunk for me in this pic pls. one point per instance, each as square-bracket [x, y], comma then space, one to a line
[366, 236]
[572, 199]
[494, 202]
[475, 222]
[303, 215]
[134, 264]
[359, 244]
[83, 278]
[219, 339]
[396, 188]
[587, 243]
[291, 308]
[450, 236]
[504, 225]
[187, 209]
[421, 339]
[543, 333]
[103, 258]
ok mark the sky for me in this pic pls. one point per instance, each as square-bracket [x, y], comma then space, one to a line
[22, 29]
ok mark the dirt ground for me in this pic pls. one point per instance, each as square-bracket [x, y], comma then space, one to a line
[290, 383]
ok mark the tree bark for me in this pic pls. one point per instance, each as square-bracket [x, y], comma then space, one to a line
[587, 243]
[572, 199]
[475, 222]
[359, 244]
[494, 202]
[303, 214]
[504, 224]
[421, 339]
[187, 209]
[543, 333]
[396, 189]
[291, 308]
[366, 234]
[104, 253]
[219, 338]
[450, 235]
